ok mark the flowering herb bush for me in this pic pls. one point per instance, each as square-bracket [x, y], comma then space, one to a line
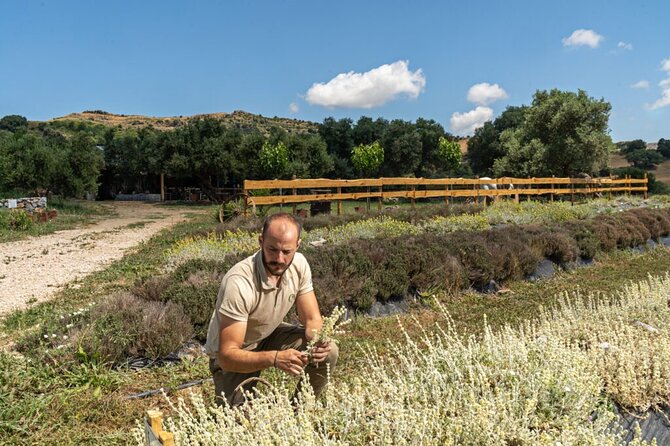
[549, 382]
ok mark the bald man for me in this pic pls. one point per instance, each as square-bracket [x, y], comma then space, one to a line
[247, 332]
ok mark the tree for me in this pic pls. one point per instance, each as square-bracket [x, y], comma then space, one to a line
[449, 152]
[402, 149]
[563, 134]
[484, 147]
[339, 142]
[367, 158]
[431, 164]
[81, 167]
[664, 147]
[273, 159]
[13, 123]
[644, 159]
[632, 146]
[308, 157]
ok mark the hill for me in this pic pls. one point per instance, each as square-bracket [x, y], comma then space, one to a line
[240, 119]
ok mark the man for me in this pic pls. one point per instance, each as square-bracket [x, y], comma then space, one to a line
[246, 332]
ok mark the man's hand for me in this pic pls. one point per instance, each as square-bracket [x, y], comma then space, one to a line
[320, 352]
[291, 361]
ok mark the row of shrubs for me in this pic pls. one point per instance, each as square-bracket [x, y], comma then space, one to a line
[162, 312]
[359, 272]
[400, 213]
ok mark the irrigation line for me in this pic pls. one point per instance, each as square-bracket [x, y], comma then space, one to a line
[186, 385]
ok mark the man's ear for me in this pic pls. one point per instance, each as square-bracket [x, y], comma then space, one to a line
[298, 245]
[260, 240]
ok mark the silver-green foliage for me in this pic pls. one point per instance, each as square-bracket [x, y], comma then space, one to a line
[546, 383]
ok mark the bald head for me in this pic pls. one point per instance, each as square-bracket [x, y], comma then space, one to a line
[280, 221]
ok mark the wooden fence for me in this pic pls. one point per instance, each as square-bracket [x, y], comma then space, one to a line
[325, 190]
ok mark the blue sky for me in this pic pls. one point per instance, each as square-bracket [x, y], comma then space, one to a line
[457, 62]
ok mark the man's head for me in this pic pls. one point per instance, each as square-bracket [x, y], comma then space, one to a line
[279, 242]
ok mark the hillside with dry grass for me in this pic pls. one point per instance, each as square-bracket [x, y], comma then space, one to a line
[239, 119]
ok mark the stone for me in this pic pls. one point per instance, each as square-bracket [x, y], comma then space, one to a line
[379, 309]
[545, 269]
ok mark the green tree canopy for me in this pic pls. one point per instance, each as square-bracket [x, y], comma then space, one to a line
[367, 158]
[449, 152]
[563, 134]
[644, 159]
[664, 147]
[484, 147]
[273, 159]
[632, 146]
[13, 123]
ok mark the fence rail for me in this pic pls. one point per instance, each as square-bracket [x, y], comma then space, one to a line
[326, 190]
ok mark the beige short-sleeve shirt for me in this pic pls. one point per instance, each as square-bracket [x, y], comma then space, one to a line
[246, 295]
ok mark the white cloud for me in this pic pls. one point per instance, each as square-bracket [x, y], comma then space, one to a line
[370, 89]
[640, 84]
[625, 46]
[664, 100]
[581, 37]
[468, 122]
[486, 93]
[293, 107]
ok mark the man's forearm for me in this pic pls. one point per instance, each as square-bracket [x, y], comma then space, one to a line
[312, 326]
[242, 361]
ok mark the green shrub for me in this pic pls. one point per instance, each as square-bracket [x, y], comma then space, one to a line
[124, 326]
[586, 239]
[194, 286]
[152, 288]
[341, 274]
[19, 220]
[514, 257]
[477, 257]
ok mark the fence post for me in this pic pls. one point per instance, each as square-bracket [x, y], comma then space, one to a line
[295, 191]
[157, 436]
[339, 202]
[553, 178]
[245, 193]
[281, 205]
[379, 201]
[447, 196]
[476, 187]
[413, 195]
[609, 189]
[530, 186]
[646, 186]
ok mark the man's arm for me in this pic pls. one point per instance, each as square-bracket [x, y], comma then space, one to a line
[308, 313]
[232, 358]
[310, 317]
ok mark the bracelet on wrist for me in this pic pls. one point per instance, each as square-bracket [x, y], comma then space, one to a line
[274, 363]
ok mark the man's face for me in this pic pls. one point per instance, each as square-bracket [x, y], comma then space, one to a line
[279, 246]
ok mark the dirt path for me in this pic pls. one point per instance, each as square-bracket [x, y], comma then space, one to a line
[32, 270]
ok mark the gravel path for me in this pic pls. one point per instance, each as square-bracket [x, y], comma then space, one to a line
[34, 269]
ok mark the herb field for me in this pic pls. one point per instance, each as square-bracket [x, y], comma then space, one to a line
[538, 362]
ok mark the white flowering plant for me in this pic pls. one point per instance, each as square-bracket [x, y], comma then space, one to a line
[546, 383]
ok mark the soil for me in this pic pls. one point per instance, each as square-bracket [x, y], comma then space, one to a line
[32, 270]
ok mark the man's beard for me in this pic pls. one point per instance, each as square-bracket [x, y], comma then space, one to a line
[275, 268]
